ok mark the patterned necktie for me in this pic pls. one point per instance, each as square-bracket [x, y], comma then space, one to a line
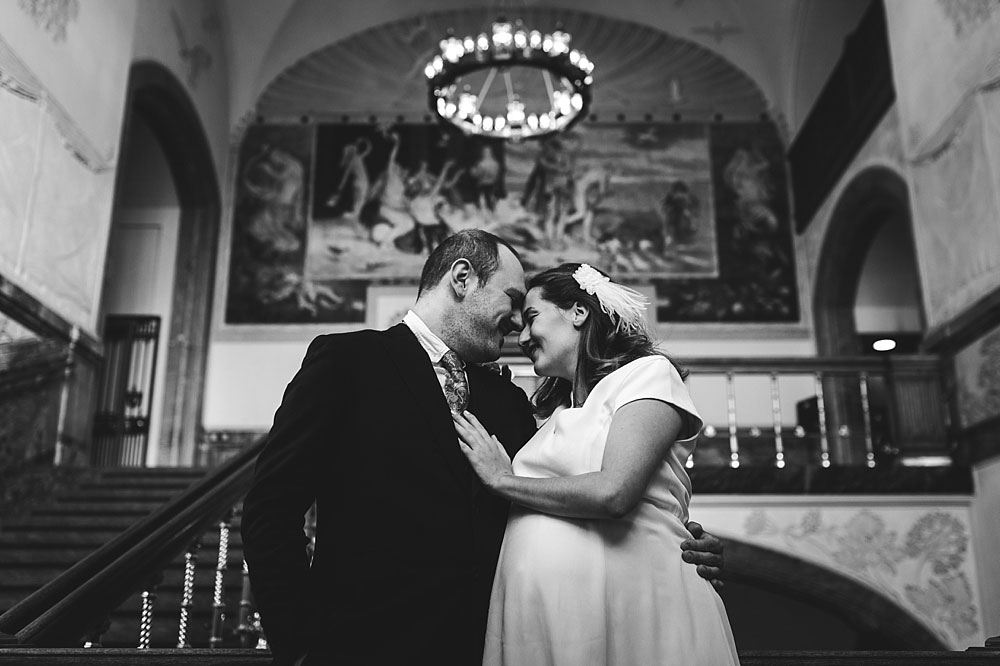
[456, 387]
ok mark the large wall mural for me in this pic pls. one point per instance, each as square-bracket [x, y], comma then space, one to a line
[697, 211]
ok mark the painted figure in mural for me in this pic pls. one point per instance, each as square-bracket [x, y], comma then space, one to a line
[352, 162]
[680, 208]
[746, 175]
[549, 183]
[407, 541]
[588, 189]
[395, 219]
[425, 207]
[486, 176]
[276, 179]
[598, 494]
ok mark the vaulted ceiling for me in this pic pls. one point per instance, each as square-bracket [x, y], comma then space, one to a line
[696, 58]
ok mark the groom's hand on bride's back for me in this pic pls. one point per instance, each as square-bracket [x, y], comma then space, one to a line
[705, 551]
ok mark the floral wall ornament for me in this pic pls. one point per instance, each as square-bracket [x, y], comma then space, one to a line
[52, 16]
[922, 564]
[967, 15]
[195, 57]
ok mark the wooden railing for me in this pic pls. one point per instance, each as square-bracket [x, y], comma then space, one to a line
[72, 606]
[810, 411]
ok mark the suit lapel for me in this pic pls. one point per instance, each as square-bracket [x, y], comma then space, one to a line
[417, 374]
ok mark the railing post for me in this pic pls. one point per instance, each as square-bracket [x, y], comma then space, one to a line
[866, 412]
[243, 628]
[824, 442]
[60, 454]
[779, 444]
[218, 605]
[190, 560]
[146, 614]
[734, 441]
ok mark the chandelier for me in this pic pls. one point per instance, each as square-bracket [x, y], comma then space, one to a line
[545, 84]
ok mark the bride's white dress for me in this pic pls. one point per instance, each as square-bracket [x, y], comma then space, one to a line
[574, 592]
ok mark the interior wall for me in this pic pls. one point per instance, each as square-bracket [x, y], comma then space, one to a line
[986, 541]
[142, 255]
[65, 71]
[888, 298]
[189, 38]
[944, 67]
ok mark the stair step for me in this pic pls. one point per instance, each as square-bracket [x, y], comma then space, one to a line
[121, 508]
[70, 523]
[56, 539]
[138, 484]
[119, 494]
[132, 657]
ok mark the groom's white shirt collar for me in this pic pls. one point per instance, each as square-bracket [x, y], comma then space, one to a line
[431, 343]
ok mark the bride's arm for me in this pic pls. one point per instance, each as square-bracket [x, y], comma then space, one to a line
[641, 435]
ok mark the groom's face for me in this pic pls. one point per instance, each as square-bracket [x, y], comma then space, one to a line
[492, 310]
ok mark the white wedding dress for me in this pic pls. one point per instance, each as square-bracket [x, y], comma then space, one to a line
[574, 592]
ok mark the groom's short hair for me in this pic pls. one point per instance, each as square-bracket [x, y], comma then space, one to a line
[480, 248]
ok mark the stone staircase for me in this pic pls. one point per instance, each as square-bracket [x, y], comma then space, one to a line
[53, 536]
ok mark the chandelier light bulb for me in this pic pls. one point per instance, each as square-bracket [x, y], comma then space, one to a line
[483, 42]
[466, 105]
[452, 49]
[533, 121]
[547, 43]
[500, 122]
[515, 112]
[520, 39]
[429, 71]
[488, 123]
[560, 42]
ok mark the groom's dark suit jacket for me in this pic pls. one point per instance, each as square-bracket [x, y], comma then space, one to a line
[407, 538]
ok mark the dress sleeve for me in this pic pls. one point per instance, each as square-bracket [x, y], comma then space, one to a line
[655, 377]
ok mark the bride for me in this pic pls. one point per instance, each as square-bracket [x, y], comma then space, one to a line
[587, 572]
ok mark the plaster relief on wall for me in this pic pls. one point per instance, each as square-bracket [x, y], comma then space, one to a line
[195, 57]
[956, 210]
[967, 15]
[977, 372]
[922, 570]
[18, 137]
[52, 16]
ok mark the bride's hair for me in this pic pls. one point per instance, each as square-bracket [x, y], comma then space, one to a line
[603, 349]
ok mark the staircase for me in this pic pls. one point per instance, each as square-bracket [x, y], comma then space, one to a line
[37, 547]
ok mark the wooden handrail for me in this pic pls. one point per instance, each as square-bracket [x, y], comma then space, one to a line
[810, 364]
[66, 608]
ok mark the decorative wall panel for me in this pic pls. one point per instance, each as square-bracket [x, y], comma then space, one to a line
[914, 552]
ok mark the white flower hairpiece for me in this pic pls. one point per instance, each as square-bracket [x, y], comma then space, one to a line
[625, 306]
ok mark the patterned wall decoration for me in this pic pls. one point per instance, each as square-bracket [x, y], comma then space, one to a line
[916, 554]
[977, 373]
[966, 15]
[52, 16]
[698, 210]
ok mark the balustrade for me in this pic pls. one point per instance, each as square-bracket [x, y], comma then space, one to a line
[858, 411]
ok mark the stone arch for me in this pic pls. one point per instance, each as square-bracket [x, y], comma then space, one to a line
[162, 102]
[873, 195]
[858, 605]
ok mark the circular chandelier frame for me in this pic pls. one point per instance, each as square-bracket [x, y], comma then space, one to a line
[567, 73]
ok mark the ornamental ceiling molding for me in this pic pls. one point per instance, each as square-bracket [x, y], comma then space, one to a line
[645, 73]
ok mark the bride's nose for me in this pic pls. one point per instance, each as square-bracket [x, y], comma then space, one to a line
[524, 337]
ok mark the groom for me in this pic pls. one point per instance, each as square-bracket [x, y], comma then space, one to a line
[407, 539]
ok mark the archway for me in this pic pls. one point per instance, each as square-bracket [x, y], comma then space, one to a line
[880, 621]
[874, 196]
[160, 103]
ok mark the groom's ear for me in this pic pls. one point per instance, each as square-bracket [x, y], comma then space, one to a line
[461, 278]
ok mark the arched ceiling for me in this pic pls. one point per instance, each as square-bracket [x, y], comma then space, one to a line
[639, 71]
[785, 47]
